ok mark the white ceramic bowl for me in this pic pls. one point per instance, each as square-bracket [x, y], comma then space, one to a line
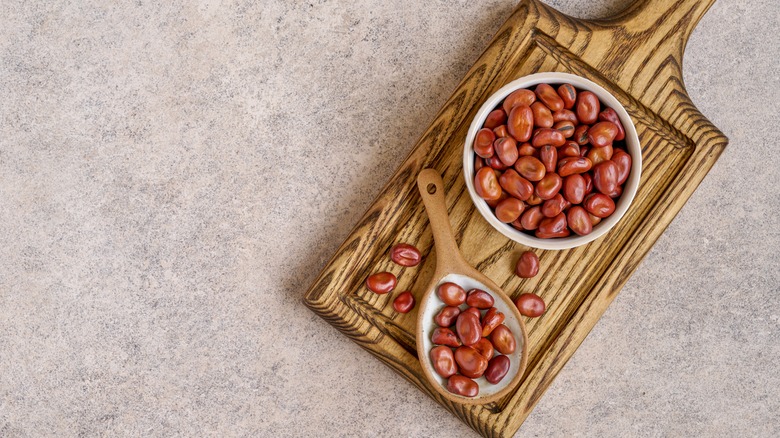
[632, 144]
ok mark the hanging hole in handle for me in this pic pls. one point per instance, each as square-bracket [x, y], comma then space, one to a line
[431, 188]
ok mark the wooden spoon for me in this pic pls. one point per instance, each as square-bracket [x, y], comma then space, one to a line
[451, 266]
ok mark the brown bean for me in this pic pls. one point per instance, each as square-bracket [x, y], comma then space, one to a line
[547, 136]
[602, 134]
[497, 369]
[483, 143]
[485, 348]
[527, 265]
[553, 206]
[486, 184]
[495, 118]
[534, 200]
[506, 149]
[515, 185]
[492, 319]
[381, 282]
[493, 203]
[443, 361]
[581, 135]
[609, 115]
[500, 131]
[553, 225]
[566, 127]
[564, 115]
[503, 340]
[495, 163]
[531, 218]
[470, 363]
[605, 177]
[587, 107]
[480, 299]
[571, 165]
[405, 255]
[599, 205]
[526, 149]
[574, 188]
[547, 95]
[570, 149]
[509, 210]
[623, 161]
[520, 124]
[468, 328]
[447, 316]
[404, 302]
[569, 95]
[599, 155]
[530, 305]
[579, 221]
[548, 155]
[530, 168]
[445, 336]
[549, 186]
[542, 115]
[518, 97]
[451, 294]
[461, 385]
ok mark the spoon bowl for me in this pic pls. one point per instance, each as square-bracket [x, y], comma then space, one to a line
[451, 266]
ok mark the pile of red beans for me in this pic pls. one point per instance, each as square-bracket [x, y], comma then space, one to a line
[384, 282]
[551, 162]
[472, 341]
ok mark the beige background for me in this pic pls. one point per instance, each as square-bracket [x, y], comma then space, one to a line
[173, 177]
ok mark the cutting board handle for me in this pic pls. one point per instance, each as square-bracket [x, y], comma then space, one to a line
[681, 16]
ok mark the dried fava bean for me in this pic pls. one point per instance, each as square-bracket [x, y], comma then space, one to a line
[574, 188]
[497, 369]
[447, 316]
[534, 200]
[506, 149]
[530, 168]
[492, 319]
[623, 161]
[462, 385]
[547, 95]
[542, 235]
[515, 185]
[542, 116]
[405, 255]
[602, 134]
[587, 107]
[526, 149]
[548, 155]
[599, 205]
[495, 118]
[530, 305]
[570, 149]
[480, 299]
[579, 221]
[479, 163]
[474, 311]
[485, 348]
[509, 210]
[553, 206]
[404, 302]
[605, 177]
[501, 131]
[549, 186]
[564, 115]
[518, 97]
[486, 184]
[571, 165]
[470, 363]
[503, 340]
[599, 155]
[616, 193]
[495, 163]
[531, 218]
[594, 219]
[565, 127]
[553, 225]
[588, 183]
[493, 203]
[609, 115]
[445, 336]
[547, 136]
[520, 124]
[569, 95]
[443, 361]
[483, 143]
[581, 135]
[527, 265]
[468, 328]
[451, 294]
[381, 282]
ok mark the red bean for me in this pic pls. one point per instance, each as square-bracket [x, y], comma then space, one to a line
[553, 225]
[479, 163]
[542, 116]
[506, 149]
[549, 186]
[468, 328]
[587, 107]
[443, 361]
[480, 299]
[497, 369]
[495, 163]
[605, 177]
[530, 168]
[495, 118]
[579, 221]
[623, 161]
[609, 115]
[500, 131]
[515, 185]
[404, 302]
[581, 135]
[571, 165]
[445, 336]
[509, 210]
[520, 124]
[527, 265]
[548, 155]
[486, 185]
[530, 305]
[547, 136]
[447, 316]
[503, 340]
[553, 206]
[405, 255]
[519, 97]
[570, 149]
[574, 188]
[599, 155]
[461, 385]
[547, 95]
[492, 319]
[588, 183]
[569, 95]
[599, 205]
[381, 282]
[526, 149]
[531, 218]
[565, 127]
[483, 143]
[493, 203]
[470, 362]
[451, 294]
[564, 115]
[602, 134]
[474, 311]
[485, 348]
[534, 200]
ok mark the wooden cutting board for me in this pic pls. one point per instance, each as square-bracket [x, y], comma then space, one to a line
[637, 56]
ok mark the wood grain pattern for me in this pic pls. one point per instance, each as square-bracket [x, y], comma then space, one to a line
[637, 56]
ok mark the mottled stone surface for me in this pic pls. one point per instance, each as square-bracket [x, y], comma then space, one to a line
[173, 177]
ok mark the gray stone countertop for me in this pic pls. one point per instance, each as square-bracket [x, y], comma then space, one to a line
[173, 177]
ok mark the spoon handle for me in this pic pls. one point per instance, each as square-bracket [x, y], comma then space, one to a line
[448, 256]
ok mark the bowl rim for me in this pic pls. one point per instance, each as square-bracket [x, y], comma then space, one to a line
[632, 145]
